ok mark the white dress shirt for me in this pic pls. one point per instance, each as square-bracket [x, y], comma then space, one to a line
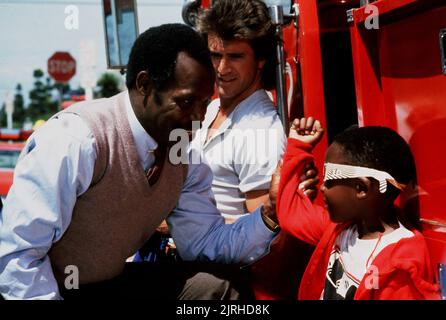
[57, 167]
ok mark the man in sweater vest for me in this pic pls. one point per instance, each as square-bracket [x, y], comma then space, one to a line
[81, 202]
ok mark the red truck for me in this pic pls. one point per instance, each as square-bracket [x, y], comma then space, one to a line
[368, 62]
[12, 142]
[9, 153]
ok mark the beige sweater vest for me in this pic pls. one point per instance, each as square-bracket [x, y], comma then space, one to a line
[119, 211]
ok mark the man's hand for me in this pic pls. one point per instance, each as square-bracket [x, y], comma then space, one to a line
[269, 207]
[307, 130]
[274, 186]
[308, 185]
[163, 228]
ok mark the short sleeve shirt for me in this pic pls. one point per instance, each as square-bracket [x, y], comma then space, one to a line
[244, 151]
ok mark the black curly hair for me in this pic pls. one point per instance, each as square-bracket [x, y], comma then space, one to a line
[244, 20]
[381, 148]
[156, 51]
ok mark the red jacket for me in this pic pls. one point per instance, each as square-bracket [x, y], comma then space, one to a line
[404, 268]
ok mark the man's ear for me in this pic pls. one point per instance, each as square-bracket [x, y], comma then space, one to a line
[143, 83]
[363, 187]
[261, 64]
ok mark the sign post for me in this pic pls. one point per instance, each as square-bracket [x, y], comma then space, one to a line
[87, 59]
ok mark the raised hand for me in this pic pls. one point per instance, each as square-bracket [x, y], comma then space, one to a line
[307, 130]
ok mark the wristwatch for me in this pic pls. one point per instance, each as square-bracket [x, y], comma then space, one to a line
[270, 223]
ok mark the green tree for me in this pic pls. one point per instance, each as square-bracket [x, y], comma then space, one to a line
[19, 113]
[80, 91]
[3, 115]
[41, 106]
[108, 85]
[62, 87]
[19, 107]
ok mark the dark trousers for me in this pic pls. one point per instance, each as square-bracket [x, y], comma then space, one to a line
[169, 280]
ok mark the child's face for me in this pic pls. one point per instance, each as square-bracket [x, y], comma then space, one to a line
[340, 196]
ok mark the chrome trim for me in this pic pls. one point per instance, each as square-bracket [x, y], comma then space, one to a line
[277, 18]
[443, 49]
[350, 15]
[189, 12]
[442, 280]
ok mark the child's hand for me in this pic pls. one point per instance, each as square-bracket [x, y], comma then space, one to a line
[309, 181]
[307, 130]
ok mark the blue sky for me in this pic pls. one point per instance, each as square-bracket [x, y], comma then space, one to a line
[32, 30]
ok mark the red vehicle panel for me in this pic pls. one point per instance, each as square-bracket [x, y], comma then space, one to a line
[9, 153]
[344, 74]
[400, 83]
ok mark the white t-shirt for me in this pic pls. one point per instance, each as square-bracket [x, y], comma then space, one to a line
[350, 259]
[244, 151]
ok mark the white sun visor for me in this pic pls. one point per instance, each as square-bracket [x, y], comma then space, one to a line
[334, 171]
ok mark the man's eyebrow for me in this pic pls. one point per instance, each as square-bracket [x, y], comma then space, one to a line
[186, 94]
[236, 54]
[231, 54]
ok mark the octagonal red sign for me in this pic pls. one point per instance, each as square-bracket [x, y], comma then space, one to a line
[61, 66]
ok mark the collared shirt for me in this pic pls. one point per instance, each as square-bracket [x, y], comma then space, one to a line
[58, 167]
[243, 152]
[145, 144]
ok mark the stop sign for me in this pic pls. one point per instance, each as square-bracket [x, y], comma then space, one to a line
[61, 66]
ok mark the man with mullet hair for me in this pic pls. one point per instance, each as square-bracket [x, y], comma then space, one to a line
[242, 137]
[241, 38]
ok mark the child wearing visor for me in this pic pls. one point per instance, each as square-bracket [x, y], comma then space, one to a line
[366, 247]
